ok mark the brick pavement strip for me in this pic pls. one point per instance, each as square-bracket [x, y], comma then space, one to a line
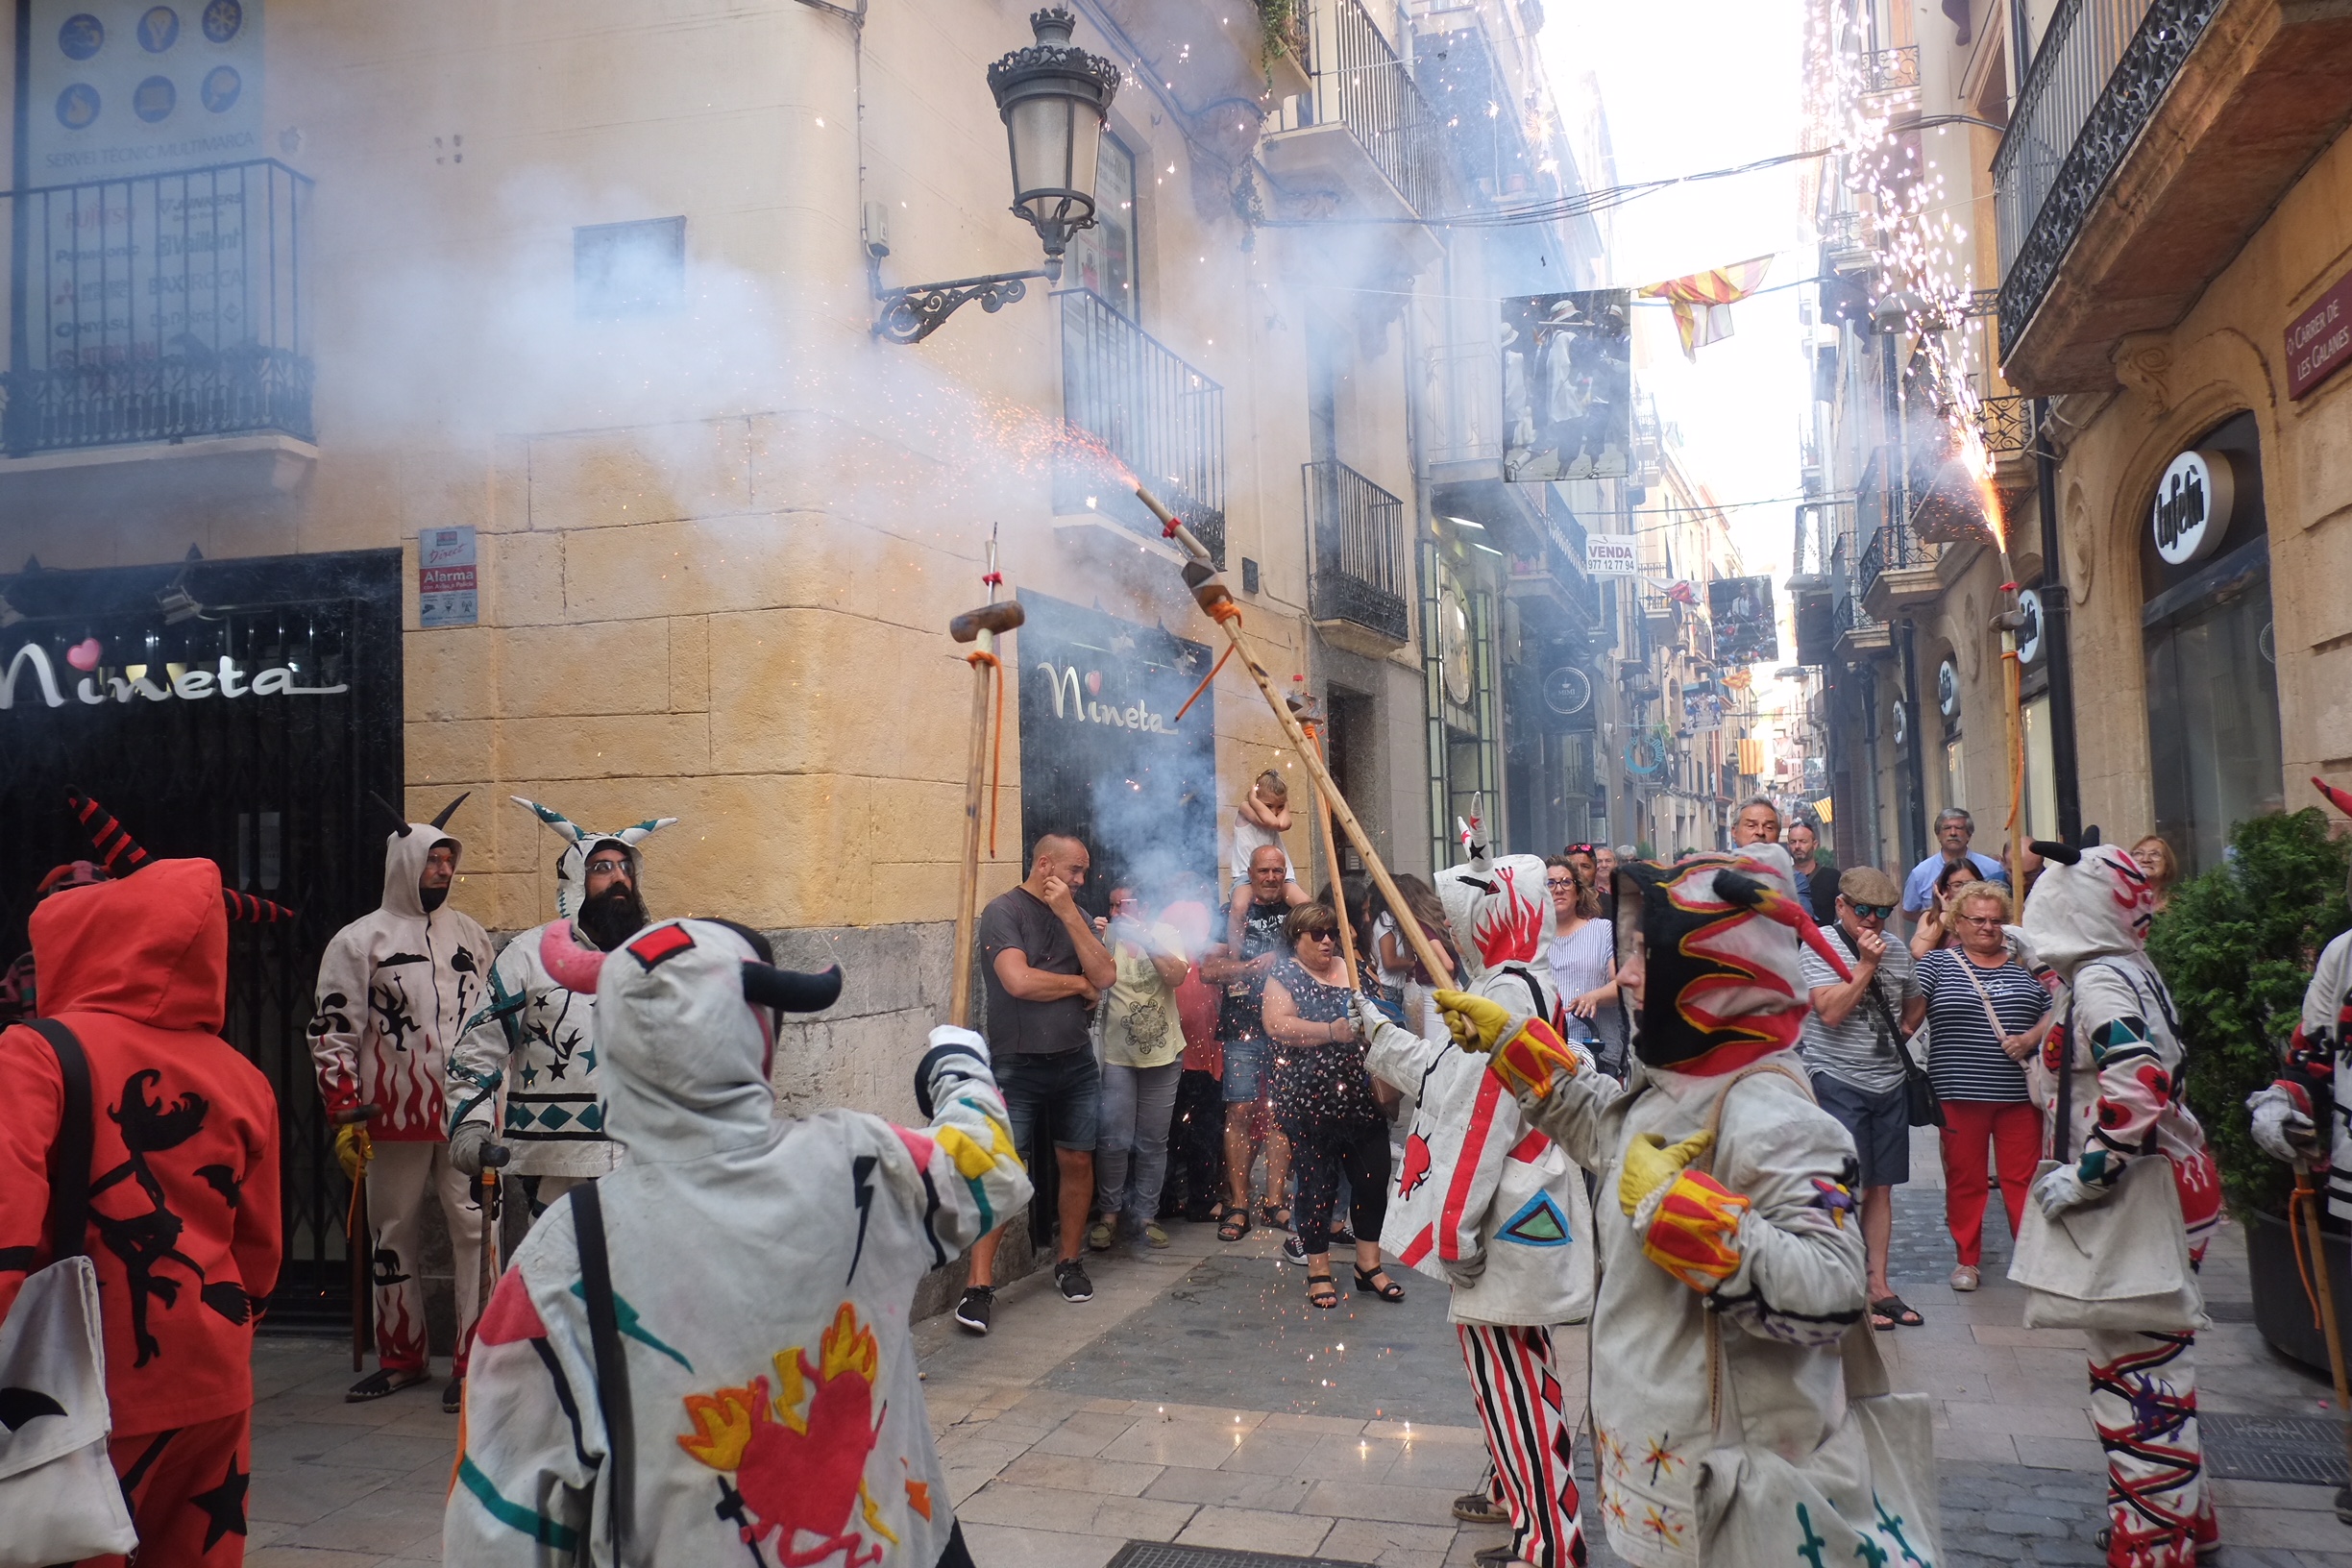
[1057, 1477]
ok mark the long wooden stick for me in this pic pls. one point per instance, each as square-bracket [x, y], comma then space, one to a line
[1331, 856]
[2310, 1207]
[1211, 595]
[975, 796]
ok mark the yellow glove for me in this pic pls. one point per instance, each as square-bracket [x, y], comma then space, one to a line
[1476, 1022]
[1650, 1164]
[353, 1149]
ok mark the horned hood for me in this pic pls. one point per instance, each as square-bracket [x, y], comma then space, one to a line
[405, 857]
[152, 947]
[2097, 907]
[579, 843]
[1499, 911]
[1722, 935]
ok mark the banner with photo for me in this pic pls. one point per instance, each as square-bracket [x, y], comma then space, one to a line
[1746, 629]
[1567, 385]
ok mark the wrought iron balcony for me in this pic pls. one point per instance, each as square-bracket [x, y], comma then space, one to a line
[1856, 632]
[2007, 425]
[1133, 406]
[159, 307]
[1360, 554]
[1891, 70]
[1896, 571]
[1356, 82]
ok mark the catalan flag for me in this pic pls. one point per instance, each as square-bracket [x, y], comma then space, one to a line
[1702, 301]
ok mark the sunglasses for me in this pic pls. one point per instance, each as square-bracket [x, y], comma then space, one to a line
[1322, 935]
[1871, 911]
[1580, 850]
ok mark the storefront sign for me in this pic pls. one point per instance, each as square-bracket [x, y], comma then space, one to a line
[446, 590]
[120, 87]
[2320, 340]
[2029, 632]
[2191, 513]
[103, 683]
[1610, 555]
[1948, 689]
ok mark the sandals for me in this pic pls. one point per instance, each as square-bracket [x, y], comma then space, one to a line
[385, 1380]
[1266, 1212]
[1235, 1223]
[1374, 1281]
[1328, 1297]
[1887, 1311]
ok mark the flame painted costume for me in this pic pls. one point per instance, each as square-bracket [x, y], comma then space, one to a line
[762, 1267]
[2088, 919]
[527, 1065]
[1764, 1241]
[184, 1225]
[1496, 1209]
[395, 988]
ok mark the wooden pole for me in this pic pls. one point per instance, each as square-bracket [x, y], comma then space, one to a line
[2308, 1204]
[1331, 857]
[1214, 599]
[980, 627]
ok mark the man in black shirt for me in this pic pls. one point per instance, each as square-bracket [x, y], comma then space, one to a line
[1242, 1030]
[1044, 969]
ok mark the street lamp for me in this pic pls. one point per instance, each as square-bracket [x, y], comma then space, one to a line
[1053, 97]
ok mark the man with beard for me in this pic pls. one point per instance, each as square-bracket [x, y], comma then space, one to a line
[535, 1041]
[395, 989]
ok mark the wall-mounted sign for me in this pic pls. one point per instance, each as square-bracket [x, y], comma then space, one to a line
[94, 684]
[1902, 722]
[448, 590]
[1611, 555]
[118, 88]
[1567, 691]
[2191, 513]
[2029, 634]
[2320, 340]
[1948, 689]
[1567, 385]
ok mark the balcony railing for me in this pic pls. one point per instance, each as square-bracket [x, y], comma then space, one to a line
[1132, 404]
[2100, 69]
[1891, 549]
[1891, 70]
[159, 307]
[1359, 549]
[1359, 81]
[2007, 425]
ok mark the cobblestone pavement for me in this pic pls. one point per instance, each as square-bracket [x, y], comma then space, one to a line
[1197, 1399]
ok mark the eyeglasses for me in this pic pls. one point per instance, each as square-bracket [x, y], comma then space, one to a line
[1560, 884]
[1871, 912]
[1323, 936]
[1981, 919]
[607, 866]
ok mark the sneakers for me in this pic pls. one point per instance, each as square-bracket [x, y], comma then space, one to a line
[1292, 1252]
[973, 1310]
[452, 1397]
[1101, 1234]
[1071, 1280]
[1153, 1235]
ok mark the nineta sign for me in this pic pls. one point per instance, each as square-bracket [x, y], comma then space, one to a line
[155, 683]
[2193, 506]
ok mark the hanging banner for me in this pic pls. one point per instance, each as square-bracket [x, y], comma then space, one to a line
[1702, 301]
[117, 87]
[1567, 386]
[1746, 628]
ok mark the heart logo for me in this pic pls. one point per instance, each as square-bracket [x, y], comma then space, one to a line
[1095, 684]
[83, 655]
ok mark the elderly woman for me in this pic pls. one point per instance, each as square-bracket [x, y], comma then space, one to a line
[2153, 855]
[1986, 1016]
[1325, 1102]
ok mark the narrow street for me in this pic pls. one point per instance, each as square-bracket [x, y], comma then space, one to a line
[1198, 1400]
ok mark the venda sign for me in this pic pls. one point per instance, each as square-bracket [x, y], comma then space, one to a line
[181, 682]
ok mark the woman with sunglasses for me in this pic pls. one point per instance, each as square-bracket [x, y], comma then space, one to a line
[1324, 1100]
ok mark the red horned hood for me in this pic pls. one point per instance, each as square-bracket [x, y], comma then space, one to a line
[152, 947]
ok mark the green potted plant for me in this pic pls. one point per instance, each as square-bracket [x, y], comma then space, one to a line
[2237, 946]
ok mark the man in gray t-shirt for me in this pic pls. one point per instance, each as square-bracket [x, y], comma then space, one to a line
[1850, 1045]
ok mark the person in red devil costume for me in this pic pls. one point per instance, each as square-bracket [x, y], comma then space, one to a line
[184, 1222]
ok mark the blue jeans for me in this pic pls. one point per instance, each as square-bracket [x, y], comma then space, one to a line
[1131, 1148]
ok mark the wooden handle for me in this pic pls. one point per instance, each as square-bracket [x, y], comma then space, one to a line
[968, 891]
[1406, 925]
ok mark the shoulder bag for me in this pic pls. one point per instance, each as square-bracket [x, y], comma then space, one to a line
[1868, 1493]
[2119, 1262]
[611, 1370]
[58, 1487]
[1921, 1106]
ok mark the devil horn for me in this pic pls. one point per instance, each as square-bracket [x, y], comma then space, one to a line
[2064, 854]
[637, 834]
[451, 810]
[108, 836]
[399, 824]
[791, 991]
[557, 819]
[2340, 799]
[244, 909]
[573, 966]
[2091, 839]
[1745, 891]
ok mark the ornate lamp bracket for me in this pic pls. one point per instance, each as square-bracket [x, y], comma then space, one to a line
[909, 315]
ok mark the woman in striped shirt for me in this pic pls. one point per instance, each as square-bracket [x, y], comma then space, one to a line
[1985, 1017]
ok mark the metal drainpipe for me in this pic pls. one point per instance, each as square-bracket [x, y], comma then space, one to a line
[2057, 618]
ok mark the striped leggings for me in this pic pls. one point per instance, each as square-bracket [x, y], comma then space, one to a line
[1530, 1436]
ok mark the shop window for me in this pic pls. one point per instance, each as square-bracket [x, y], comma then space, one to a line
[1105, 256]
[1956, 774]
[2041, 803]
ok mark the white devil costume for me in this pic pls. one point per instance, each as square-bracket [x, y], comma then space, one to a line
[762, 1268]
[1495, 1209]
[1752, 1263]
[395, 989]
[2316, 1087]
[532, 1046]
[2088, 919]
